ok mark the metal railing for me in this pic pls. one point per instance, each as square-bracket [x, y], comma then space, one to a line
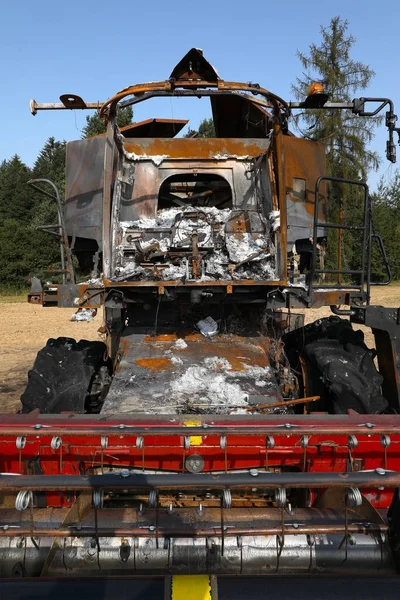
[365, 256]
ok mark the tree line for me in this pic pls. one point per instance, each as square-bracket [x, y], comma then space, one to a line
[26, 250]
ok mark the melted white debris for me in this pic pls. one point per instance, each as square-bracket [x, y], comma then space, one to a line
[166, 217]
[84, 314]
[207, 387]
[180, 344]
[94, 281]
[225, 255]
[207, 327]
[243, 247]
[163, 244]
[257, 371]
[228, 156]
[154, 158]
[275, 218]
[216, 265]
[215, 362]
[213, 383]
[131, 269]
[175, 272]
[176, 360]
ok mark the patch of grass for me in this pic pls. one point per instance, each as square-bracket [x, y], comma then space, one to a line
[9, 294]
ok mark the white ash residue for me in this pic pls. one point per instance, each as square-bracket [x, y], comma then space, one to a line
[176, 360]
[166, 217]
[215, 362]
[275, 218]
[257, 371]
[259, 272]
[174, 272]
[180, 344]
[163, 244]
[94, 282]
[132, 269]
[213, 384]
[216, 266]
[242, 247]
[207, 387]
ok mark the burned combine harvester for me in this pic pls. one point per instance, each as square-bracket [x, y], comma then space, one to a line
[212, 434]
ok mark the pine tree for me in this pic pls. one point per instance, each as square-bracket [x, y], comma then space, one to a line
[345, 135]
[95, 125]
[50, 164]
[24, 252]
[15, 201]
[386, 215]
[206, 130]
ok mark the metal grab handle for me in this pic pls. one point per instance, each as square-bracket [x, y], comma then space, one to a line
[385, 261]
[64, 243]
[347, 312]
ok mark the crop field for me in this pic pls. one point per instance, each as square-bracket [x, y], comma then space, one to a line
[25, 328]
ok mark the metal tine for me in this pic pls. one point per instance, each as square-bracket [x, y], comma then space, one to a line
[304, 443]
[269, 443]
[56, 444]
[224, 447]
[385, 441]
[353, 498]
[222, 530]
[140, 444]
[352, 442]
[311, 543]
[104, 445]
[98, 498]
[20, 443]
[280, 500]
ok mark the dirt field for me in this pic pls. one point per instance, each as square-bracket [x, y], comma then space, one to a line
[25, 328]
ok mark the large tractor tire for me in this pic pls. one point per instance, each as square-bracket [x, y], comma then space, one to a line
[63, 375]
[337, 366]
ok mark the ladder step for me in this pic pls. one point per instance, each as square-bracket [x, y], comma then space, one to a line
[337, 272]
[319, 287]
[337, 226]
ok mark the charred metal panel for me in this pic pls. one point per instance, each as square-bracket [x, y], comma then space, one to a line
[170, 374]
[84, 189]
[304, 163]
[194, 66]
[139, 199]
[235, 116]
[144, 206]
[165, 128]
[143, 177]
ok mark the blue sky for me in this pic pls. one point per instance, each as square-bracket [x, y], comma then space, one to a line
[48, 48]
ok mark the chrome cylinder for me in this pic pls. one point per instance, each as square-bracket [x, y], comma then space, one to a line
[261, 555]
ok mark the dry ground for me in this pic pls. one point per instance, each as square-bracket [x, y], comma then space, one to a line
[25, 328]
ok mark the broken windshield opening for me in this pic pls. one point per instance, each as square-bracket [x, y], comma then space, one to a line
[195, 189]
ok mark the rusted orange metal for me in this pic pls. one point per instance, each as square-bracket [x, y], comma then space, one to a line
[279, 163]
[197, 148]
[167, 87]
[305, 159]
[155, 364]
